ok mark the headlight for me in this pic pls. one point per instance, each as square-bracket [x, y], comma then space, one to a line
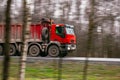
[68, 47]
[71, 47]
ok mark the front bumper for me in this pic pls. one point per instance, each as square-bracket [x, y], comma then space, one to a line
[68, 47]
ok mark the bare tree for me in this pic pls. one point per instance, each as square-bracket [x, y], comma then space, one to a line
[6, 46]
[2, 10]
[91, 27]
[25, 37]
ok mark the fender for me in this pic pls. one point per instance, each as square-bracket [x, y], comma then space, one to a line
[35, 43]
[53, 43]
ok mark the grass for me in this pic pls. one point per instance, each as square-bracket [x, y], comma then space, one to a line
[71, 70]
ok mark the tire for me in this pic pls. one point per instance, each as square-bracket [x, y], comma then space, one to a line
[34, 50]
[1, 49]
[43, 54]
[53, 51]
[12, 50]
[45, 34]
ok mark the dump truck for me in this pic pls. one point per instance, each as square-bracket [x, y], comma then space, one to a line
[55, 40]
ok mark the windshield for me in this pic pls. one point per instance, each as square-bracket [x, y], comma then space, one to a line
[69, 30]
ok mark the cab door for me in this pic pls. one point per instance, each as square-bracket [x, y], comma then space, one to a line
[58, 34]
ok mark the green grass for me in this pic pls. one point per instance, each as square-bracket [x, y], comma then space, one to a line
[71, 70]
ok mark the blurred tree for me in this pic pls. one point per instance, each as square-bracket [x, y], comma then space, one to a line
[2, 10]
[25, 37]
[91, 27]
[6, 46]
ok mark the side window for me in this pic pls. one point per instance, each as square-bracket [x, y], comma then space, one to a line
[59, 30]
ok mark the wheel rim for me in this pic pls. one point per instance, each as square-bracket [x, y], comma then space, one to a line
[53, 51]
[1, 50]
[12, 49]
[34, 50]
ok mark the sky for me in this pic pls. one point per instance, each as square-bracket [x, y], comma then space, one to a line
[58, 11]
[83, 6]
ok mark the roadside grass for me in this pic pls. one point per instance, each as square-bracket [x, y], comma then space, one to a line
[71, 70]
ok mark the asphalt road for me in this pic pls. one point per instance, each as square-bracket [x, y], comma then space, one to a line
[82, 59]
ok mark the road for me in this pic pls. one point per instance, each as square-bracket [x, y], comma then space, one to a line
[82, 59]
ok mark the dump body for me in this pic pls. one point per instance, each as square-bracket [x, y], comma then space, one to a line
[16, 33]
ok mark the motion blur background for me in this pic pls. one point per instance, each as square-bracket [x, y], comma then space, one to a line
[104, 15]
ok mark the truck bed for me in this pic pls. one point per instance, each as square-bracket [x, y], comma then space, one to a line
[16, 33]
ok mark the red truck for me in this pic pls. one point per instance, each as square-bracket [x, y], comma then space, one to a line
[53, 40]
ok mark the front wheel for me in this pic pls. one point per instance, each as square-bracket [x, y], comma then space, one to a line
[53, 51]
[34, 51]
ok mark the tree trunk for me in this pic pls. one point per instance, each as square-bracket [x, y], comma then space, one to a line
[6, 46]
[89, 40]
[25, 37]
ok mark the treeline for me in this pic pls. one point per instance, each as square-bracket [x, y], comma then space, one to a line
[101, 17]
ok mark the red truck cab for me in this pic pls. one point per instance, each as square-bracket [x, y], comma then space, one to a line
[64, 37]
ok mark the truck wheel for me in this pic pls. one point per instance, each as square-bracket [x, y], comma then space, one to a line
[53, 51]
[45, 34]
[12, 50]
[1, 49]
[34, 51]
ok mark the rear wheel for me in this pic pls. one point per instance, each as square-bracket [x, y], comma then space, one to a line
[1, 49]
[34, 51]
[12, 50]
[53, 51]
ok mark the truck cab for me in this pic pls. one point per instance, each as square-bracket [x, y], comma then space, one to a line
[62, 36]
